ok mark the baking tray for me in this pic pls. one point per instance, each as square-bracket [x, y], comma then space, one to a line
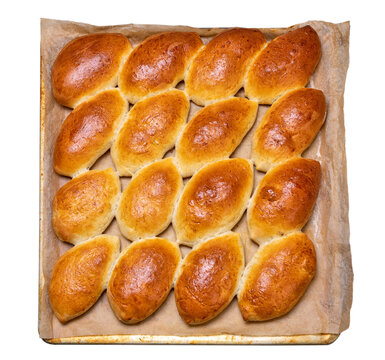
[321, 338]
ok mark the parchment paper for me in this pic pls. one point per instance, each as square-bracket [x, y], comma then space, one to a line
[324, 308]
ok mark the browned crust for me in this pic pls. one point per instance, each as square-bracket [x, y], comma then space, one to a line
[158, 63]
[214, 133]
[150, 130]
[80, 276]
[86, 65]
[277, 277]
[284, 199]
[87, 132]
[142, 278]
[213, 200]
[85, 205]
[218, 71]
[208, 278]
[146, 205]
[288, 127]
[286, 63]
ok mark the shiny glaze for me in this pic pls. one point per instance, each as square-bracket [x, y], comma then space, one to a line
[217, 72]
[214, 199]
[208, 278]
[158, 63]
[142, 278]
[288, 127]
[84, 206]
[79, 276]
[214, 133]
[284, 199]
[280, 275]
[87, 64]
[150, 195]
[150, 130]
[87, 132]
[286, 63]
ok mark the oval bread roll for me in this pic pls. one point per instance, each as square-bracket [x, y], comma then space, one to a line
[213, 201]
[85, 205]
[81, 275]
[147, 203]
[158, 63]
[150, 130]
[285, 64]
[284, 199]
[87, 65]
[208, 278]
[214, 133]
[288, 127]
[277, 277]
[218, 71]
[142, 278]
[88, 132]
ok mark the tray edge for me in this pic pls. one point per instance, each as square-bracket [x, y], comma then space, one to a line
[320, 339]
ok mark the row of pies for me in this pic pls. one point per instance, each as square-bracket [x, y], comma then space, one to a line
[203, 212]
[211, 203]
[158, 123]
[233, 59]
[139, 279]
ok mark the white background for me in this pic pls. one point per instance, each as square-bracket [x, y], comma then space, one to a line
[19, 131]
